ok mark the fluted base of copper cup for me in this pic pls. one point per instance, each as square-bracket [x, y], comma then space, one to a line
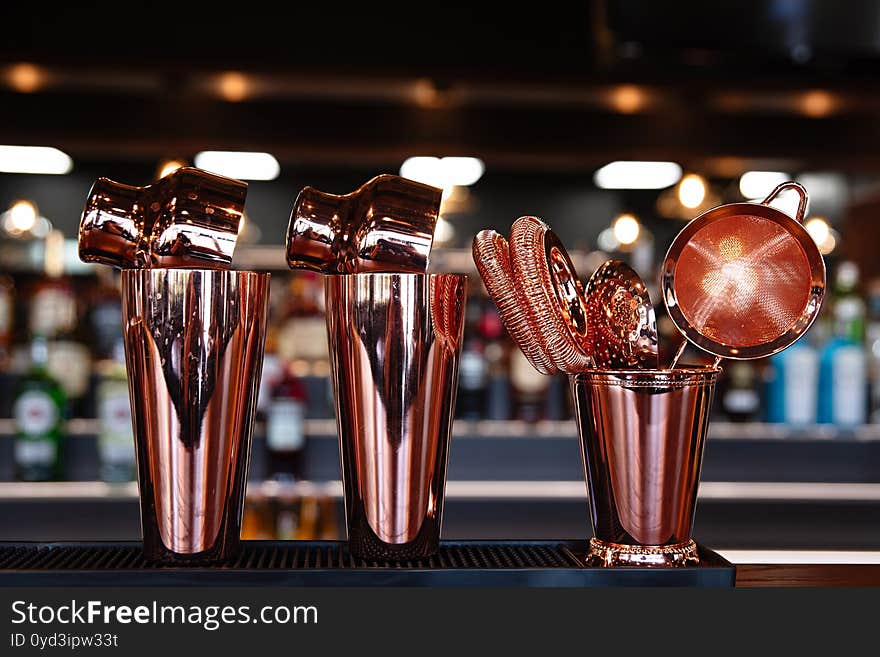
[613, 555]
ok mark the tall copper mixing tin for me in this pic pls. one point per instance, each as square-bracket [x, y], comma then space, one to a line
[643, 433]
[395, 341]
[194, 349]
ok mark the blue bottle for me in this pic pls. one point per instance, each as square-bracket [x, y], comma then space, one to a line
[843, 370]
[793, 385]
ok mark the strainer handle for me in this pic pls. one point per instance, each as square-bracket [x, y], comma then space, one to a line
[802, 204]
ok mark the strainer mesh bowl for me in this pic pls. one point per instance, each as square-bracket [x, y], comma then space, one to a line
[743, 281]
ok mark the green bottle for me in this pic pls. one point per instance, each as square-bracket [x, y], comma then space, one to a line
[39, 411]
[115, 434]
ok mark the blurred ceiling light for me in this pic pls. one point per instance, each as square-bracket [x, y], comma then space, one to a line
[169, 166]
[627, 99]
[757, 184]
[233, 86]
[692, 191]
[626, 229]
[239, 164]
[637, 175]
[34, 159]
[443, 172]
[818, 229]
[25, 77]
[463, 171]
[818, 103]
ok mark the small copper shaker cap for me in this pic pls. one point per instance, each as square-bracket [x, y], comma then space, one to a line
[386, 225]
[189, 218]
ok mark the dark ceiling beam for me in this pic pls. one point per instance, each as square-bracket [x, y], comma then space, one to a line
[569, 137]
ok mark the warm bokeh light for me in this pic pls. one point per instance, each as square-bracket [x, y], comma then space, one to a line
[626, 229]
[627, 99]
[692, 191]
[818, 103]
[233, 86]
[818, 229]
[22, 216]
[826, 238]
[444, 232]
[169, 166]
[426, 94]
[25, 77]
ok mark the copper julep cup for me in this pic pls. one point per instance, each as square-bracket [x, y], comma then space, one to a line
[643, 434]
[194, 351]
[395, 342]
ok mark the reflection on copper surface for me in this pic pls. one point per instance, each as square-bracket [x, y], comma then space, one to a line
[194, 351]
[386, 225]
[623, 328]
[395, 341]
[189, 218]
[550, 293]
[491, 256]
[744, 280]
[643, 433]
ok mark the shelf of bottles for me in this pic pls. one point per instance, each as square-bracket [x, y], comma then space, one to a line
[62, 372]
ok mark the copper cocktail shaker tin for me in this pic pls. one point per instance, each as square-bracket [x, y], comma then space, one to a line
[194, 335]
[395, 342]
[194, 350]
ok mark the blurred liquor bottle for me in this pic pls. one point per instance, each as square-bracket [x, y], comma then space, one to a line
[529, 388]
[309, 519]
[39, 412]
[302, 339]
[793, 384]
[115, 432]
[105, 314]
[872, 330]
[287, 518]
[258, 521]
[328, 527]
[497, 356]
[54, 315]
[843, 366]
[7, 319]
[740, 396]
[285, 429]
[472, 368]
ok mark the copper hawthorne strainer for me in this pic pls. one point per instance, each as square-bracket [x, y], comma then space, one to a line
[744, 280]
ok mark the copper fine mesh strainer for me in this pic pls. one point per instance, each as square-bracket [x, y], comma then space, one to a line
[744, 280]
